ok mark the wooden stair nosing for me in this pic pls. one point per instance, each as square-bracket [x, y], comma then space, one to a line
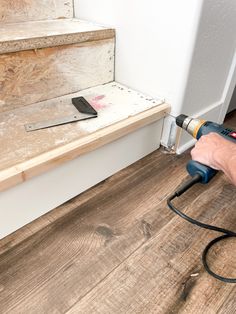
[44, 162]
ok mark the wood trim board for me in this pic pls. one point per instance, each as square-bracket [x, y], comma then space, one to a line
[58, 156]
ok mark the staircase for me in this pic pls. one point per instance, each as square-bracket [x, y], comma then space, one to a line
[48, 57]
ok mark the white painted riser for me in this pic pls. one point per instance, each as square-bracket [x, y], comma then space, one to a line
[25, 202]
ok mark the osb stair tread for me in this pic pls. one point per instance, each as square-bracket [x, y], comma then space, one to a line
[26, 154]
[49, 33]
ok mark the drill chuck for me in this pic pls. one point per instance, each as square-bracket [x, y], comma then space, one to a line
[191, 125]
[180, 120]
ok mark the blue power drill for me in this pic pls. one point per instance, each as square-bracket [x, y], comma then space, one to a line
[197, 128]
[203, 174]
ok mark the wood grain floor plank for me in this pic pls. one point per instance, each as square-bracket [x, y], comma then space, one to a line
[230, 120]
[88, 244]
[229, 306]
[157, 277]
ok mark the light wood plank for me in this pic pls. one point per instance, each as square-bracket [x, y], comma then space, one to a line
[50, 33]
[24, 155]
[30, 76]
[46, 161]
[26, 10]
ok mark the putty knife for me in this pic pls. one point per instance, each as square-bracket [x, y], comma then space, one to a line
[85, 111]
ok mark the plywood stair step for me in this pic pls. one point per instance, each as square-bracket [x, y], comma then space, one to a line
[27, 154]
[26, 10]
[49, 33]
[42, 60]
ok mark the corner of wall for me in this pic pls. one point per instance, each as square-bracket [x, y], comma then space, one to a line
[211, 75]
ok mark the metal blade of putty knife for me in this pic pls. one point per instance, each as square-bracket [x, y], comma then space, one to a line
[85, 111]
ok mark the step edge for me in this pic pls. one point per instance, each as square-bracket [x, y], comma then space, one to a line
[41, 42]
[37, 165]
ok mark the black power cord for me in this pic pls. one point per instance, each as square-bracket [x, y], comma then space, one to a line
[227, 233]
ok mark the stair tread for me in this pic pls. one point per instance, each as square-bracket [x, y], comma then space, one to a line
[48, 33]
[25, 154]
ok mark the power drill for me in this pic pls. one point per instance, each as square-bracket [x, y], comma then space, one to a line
[202, 174]
[197, 128]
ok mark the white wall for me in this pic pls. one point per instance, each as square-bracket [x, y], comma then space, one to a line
[179, 50]
[153, 41]
[210, 85]
[213, 55]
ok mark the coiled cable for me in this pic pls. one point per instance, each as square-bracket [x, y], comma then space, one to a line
[226, 233]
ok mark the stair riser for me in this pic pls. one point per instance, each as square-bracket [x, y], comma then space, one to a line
[31, 76]
[33, 198]
[31, 10]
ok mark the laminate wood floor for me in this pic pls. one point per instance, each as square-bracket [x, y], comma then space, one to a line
[117, 248]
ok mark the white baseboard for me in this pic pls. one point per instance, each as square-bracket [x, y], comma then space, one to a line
[185, 146]
[228, 89]
[31, 199]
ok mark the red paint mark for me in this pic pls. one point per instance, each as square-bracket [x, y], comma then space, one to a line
[96, 104]
[98, 97]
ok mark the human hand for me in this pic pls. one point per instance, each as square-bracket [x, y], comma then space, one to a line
[213, 150]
